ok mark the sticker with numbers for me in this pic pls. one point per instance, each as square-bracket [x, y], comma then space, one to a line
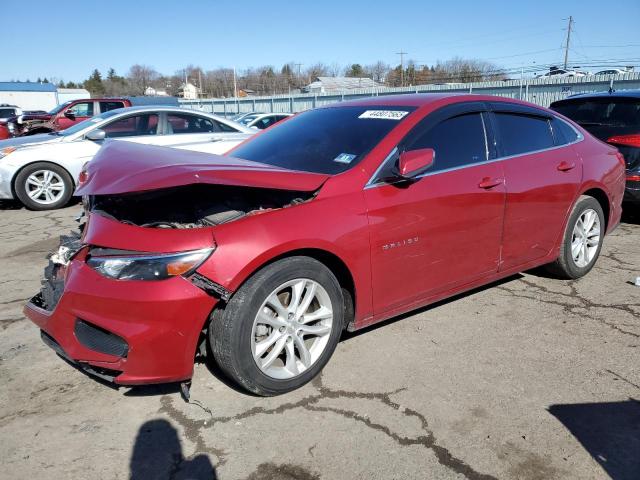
[384, 114]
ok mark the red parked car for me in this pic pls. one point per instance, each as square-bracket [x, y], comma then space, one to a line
[336, 218]
[72, 112]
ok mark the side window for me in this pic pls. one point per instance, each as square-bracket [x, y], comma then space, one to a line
[106, 106]
[446, 139]
[523, 133]
[223, 127]
[135, 125]
[562, 132]
[84, 109]
[180, 123]
[265, 122]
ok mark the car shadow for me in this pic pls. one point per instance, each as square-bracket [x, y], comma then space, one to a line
[10, 205]
[157, 453]
[610, 432]
[631, 214]
[346, 336]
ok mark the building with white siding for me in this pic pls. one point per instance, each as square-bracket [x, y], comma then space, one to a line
[38, 96]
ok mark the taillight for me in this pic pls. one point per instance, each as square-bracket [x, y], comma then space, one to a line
[633, 178]
[632, 140]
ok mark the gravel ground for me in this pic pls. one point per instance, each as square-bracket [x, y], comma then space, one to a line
[529, 378]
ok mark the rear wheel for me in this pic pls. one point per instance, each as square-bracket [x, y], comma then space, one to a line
[280, 328]
[43, 186]
[582, 240]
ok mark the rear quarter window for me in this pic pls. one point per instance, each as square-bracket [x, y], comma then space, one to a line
[563, 132]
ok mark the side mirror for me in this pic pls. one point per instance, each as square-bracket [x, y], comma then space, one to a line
[96, 135]
[70, 115]
[415, 162]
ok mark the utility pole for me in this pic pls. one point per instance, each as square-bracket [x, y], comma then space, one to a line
[566, 47]
[402, 54]
[298, 65]
[235, 85]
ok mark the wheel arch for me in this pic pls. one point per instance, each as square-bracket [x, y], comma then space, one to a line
[329, 259]
[17, 172]
[603, 199]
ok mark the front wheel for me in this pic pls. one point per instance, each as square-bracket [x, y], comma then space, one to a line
[582, 240]
[280, 328]
[43, 186]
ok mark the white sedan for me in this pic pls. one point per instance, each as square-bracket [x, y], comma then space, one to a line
[41, 170]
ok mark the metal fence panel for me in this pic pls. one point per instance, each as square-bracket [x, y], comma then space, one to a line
[542, 91]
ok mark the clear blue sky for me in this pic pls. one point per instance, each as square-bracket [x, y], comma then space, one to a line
[67, 39]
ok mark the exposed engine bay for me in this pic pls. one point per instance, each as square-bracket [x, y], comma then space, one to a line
[192, 206]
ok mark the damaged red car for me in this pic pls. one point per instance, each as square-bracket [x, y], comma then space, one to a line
[334, 219]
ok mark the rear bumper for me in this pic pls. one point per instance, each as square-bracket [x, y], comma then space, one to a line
[159, 321]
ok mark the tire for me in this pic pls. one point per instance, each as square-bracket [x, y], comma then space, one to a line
[236, 331]
[567, 265]
[59, 187]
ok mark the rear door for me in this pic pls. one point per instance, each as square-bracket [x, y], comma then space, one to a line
[542, 178]
[443, 229]
[196, 132]
[107, 105]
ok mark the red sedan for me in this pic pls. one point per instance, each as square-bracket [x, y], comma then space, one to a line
[336, 218]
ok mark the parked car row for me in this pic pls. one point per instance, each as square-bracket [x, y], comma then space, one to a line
[72, 112]
[41, 171]
[555, 72]
[337, 218]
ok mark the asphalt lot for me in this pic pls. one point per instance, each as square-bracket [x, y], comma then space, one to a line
[531, 378]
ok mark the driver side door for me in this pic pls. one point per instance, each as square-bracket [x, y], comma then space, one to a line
[443, 229]
[76, 113]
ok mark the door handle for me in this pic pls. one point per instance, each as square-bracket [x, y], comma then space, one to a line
[565, 166]
[488, 182]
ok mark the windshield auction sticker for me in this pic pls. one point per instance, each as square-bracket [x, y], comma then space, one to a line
[384, 114]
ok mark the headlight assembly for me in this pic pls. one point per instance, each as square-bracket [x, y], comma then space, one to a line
[148, 267]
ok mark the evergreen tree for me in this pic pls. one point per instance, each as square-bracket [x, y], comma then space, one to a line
[94, 83]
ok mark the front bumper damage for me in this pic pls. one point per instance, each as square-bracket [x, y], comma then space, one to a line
[126, 332]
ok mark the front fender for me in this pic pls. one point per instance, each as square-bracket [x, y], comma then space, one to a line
[336, 225]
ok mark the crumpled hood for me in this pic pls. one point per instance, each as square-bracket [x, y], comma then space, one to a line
[28, 140]
[121, 167]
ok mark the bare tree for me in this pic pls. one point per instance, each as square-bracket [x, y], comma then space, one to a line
[378, 71]
[140, 77]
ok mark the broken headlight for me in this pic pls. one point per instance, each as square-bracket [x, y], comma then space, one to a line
[148, 267]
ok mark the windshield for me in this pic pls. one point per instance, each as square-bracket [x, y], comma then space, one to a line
[59, 107]
[87, 123]
[326, 140]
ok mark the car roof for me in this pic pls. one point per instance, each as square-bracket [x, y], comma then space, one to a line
[614, 94]
[426, 99]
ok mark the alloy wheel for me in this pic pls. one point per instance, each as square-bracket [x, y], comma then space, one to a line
[292, 328]
[585, 238]
[45, 187]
